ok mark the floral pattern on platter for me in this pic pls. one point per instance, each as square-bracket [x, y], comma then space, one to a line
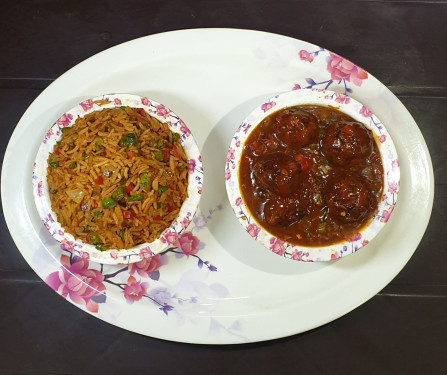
[357, 111]
[40, 187]
[340, 70]
[85, 284]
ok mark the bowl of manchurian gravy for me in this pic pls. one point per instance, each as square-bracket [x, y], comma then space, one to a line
[312, 175]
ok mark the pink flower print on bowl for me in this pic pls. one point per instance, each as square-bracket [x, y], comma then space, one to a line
[269, 105]
[277, 246]
[65, 120]
[77, 281]
[340, 69]
[365, 112]
[253, 230]
[134, 290]
[145, 267]
[87, 104]
[162, 111]
[188, 243]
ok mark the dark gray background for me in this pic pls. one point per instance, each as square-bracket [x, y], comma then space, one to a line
[402, 330]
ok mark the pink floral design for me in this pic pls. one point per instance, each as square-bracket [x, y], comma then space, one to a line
[191, 165]
[185, 223]
[277, 246]
[355, 237]
[296, 86]
[386, 214]
[145, 267]
[253, 230]
[117, 101]
[365, 112]
[162, 111]
[340, 69]
[85, 255]
[306, 56]
[145, 101]
[114, 255]
[266, 106]
[395, 164]
[39, 189]
[78, 282]
[230, 154]
[134, 290]
[169, 237]
[393, 187]
[297, 255]
[67, 245]
[184, 129]
[341, 98]
[199, 189]
[188, 243]
[238, 201]
[382, 138]
[87, 104]
[145, 253]
[365, 242]
[335, 255]
[65, 120]
[227, 175]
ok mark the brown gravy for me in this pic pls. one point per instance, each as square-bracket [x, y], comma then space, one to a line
[311, 175]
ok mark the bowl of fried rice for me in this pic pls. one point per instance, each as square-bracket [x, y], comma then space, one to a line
[116, 176]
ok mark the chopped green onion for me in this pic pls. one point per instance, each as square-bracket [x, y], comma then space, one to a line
[72, 165]
[160, 144]
[175, 137]
[159, 204]
[63, 130]
[162, 189]
[121, 234]
[53, 164]
[98, 143]
[54, 191]
[97, 214]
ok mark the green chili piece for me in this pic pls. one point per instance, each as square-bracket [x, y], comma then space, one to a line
[321, 228]
[135, 198]
[94, 238]
[129, 139]
[102, 247]
[145, 180]
[109, 203]
[158, 155]
[53, 164]
[162, 189]
[118, 194]
[72, 165]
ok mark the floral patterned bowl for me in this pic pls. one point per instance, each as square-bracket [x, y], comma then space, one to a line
[344, 104]
[116, 256]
